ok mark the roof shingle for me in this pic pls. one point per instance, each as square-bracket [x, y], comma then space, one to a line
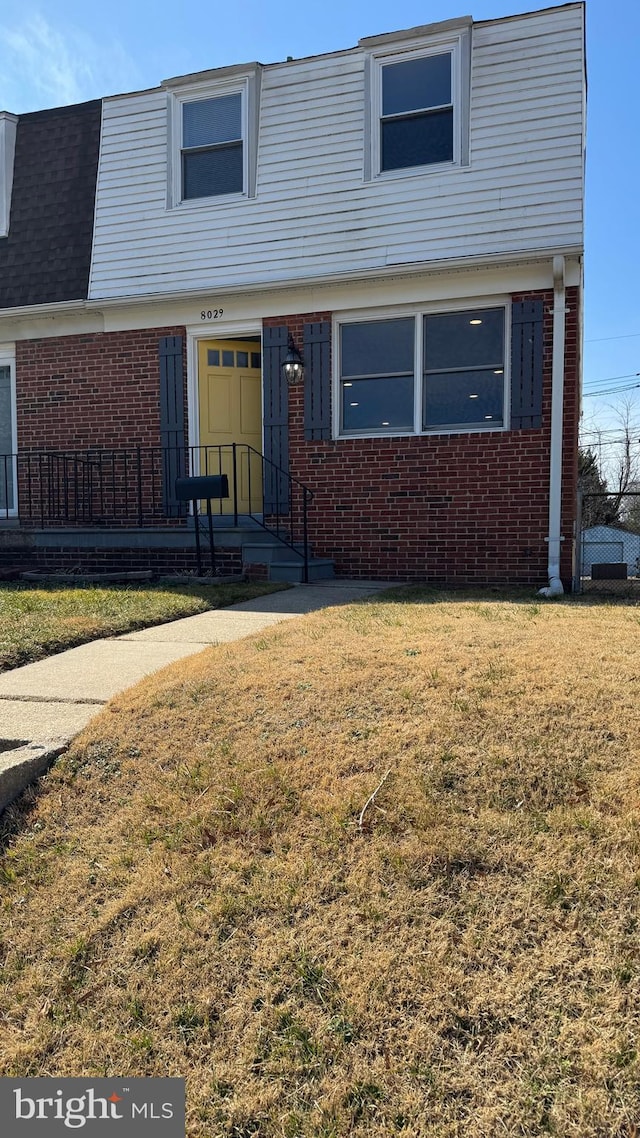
[47, 254]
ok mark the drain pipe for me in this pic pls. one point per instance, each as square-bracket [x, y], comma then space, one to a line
[554, 588]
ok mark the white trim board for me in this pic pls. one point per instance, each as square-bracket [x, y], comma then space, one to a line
[218, 330]
[245, 308]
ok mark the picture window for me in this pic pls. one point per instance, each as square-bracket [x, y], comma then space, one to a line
[424, 372]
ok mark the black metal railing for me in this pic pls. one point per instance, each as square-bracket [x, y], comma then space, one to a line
[136, 486]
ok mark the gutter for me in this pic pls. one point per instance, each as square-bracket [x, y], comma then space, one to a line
[392, 270]
[555, 539]
[389, 271]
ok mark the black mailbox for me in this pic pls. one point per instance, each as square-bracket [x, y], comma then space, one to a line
[204, 486]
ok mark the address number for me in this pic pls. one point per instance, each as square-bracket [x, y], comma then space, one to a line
[211, 313]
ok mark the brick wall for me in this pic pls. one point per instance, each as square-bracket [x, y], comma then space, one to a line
[101, 392]
[97, 390]
[460, 508]
[89, 559]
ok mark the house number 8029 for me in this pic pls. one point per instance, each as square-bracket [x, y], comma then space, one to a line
[211, 313]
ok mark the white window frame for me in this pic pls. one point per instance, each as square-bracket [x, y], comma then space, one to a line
[247, 85]
[8, 359]
[203, 95]
[418, 312]
[458, 47]
[8, 126]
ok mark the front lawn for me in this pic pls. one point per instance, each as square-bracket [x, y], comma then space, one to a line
[205, 887]
[37, 622]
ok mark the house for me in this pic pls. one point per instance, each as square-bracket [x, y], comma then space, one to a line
[610, 545]
[406, 215]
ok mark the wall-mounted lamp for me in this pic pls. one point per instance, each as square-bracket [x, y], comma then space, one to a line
[293, 365]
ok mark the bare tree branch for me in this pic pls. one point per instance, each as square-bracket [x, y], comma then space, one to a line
[371, 798]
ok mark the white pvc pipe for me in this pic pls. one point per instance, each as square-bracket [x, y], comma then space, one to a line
[555, 588]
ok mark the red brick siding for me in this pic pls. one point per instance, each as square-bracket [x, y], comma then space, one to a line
[465, 508]
[453, 508]
[96, 390]
[118, 560]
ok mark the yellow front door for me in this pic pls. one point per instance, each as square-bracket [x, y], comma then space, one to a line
[230, 400]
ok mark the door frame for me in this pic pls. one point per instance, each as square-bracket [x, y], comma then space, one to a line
[8, 359]
[218, 330]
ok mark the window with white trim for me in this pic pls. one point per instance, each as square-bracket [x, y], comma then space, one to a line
[7, 437]
[416, 124]
[213, 126]
[8, 126]
[463, 378]
[424, 372]
[212, 146]
[420, 98]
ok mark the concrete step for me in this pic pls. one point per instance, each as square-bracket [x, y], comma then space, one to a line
[320, 569]
[264, 552]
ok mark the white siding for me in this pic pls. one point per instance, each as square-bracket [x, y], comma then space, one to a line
[314, 215]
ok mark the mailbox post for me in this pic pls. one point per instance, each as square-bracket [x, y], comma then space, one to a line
[203, 487]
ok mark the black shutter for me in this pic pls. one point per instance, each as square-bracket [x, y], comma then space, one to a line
[526, 364]
[276, 418]
[317, 380]
[171, 421]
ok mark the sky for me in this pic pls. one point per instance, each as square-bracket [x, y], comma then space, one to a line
[64, 51]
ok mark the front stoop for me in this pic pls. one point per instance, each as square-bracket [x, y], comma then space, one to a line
[248, 546]
[320, 569]
[285, 564]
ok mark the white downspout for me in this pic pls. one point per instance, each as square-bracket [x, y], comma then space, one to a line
[554, 588]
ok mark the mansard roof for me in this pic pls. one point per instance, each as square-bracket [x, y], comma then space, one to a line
[45, 258]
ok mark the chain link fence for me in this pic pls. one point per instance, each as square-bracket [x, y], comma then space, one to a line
[609, 545]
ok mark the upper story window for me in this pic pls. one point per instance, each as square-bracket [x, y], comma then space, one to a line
[8, 125]
[416, 125]
[213, 136]
[419, 112]
[212, 147]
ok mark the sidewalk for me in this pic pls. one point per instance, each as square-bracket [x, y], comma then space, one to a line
[43, 705]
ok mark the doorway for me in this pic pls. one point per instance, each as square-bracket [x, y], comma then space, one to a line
[230, 409]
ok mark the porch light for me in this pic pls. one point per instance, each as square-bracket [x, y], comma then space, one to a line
[475, 321]
[293, 365]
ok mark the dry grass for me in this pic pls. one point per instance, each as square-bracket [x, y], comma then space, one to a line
[190, 892]
[38, 622]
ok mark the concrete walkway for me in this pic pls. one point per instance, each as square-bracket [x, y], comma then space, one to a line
[43, 705]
